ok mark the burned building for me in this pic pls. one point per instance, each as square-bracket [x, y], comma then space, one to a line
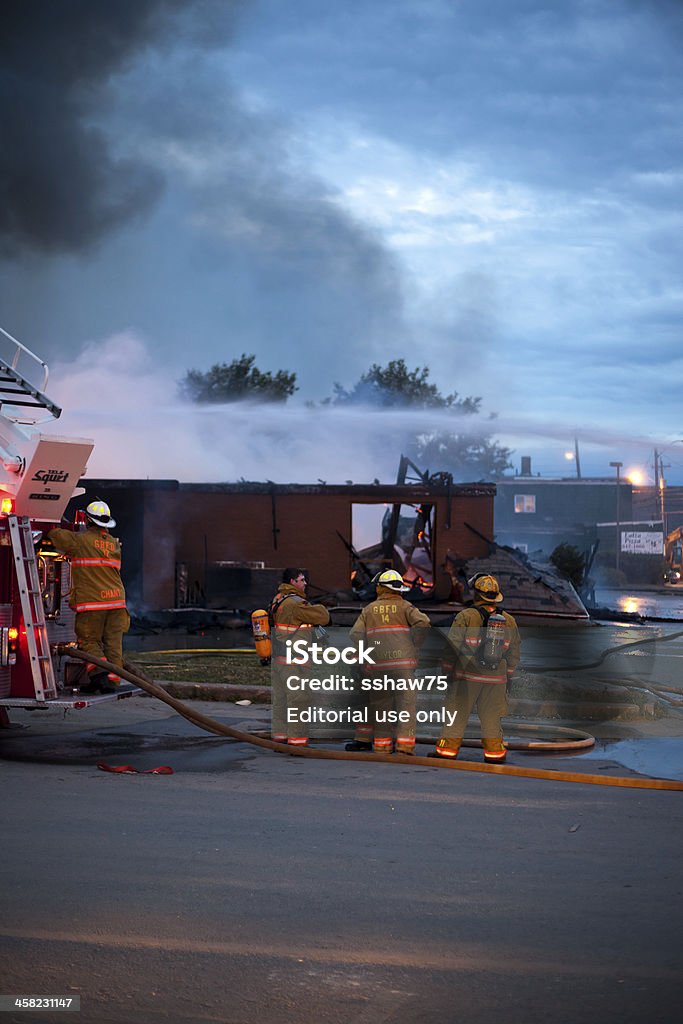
[224, 545]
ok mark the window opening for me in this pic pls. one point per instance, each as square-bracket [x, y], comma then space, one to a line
[525, 502]
[393, 536]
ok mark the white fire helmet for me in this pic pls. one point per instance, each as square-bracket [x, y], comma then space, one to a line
[99, 514]
[391, 579]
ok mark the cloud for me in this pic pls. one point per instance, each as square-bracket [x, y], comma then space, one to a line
[531, 296]
[487, 189]
[242, 247]
[544, 91]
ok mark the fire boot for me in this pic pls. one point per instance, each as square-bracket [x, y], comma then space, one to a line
[494, 749]
[86, 679]
[382, 745]
[362, 739]
[405, 745]
[98, 682]
[448, 748]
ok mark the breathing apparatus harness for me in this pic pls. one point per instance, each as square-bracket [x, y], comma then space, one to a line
[319, 632]
[492, 642]
[263, 623]
[262, 626]
[275, 604]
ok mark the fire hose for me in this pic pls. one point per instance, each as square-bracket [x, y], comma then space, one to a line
[663, 692]
[138, 678]
[608, 650]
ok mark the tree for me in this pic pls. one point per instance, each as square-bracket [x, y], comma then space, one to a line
[466, 455]
[569, 562]
[394, 385]
[237, 381]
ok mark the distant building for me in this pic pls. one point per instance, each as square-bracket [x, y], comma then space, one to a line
[535, 514]
[673, 508]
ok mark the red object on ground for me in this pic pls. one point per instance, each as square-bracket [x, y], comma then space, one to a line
[127, 769]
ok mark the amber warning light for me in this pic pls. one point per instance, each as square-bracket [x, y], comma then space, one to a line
[8, 645]
[6, 506]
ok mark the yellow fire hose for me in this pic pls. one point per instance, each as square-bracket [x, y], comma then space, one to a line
[218, 728]
[193, 651]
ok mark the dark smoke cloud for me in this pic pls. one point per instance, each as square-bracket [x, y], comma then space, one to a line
[62, 187]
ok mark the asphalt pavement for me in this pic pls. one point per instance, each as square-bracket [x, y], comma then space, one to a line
[253, 886]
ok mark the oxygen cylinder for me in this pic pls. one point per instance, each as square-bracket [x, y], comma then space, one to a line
[260, 627]
[492, 646]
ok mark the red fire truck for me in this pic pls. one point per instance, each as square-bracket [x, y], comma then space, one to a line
[39, 474]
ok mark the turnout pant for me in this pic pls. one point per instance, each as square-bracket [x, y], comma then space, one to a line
[382, 728]
[101, 634]
[490, 700]
[286, 704]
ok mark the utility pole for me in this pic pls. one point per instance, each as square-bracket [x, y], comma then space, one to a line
[662, 500]
[578, 463]
[660, 482]
[617, 466]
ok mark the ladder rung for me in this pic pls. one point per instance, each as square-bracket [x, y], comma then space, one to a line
[31, 605]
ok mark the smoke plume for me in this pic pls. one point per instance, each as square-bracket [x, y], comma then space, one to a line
[63, 185]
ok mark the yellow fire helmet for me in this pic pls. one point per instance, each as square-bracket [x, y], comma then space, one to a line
[99, 514]
[486, 587]
[391, 579]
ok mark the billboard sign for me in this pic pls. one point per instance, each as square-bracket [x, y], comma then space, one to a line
[642, 543]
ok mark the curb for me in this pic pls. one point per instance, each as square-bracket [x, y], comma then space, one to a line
[227, 692]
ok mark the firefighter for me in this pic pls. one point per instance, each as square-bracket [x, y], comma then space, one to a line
[97, 593]
[293, 618]
[486, 643]
[398, 629]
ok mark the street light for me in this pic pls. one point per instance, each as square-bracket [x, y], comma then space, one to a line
[617, 466]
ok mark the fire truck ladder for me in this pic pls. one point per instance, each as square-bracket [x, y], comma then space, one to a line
[15, 389]
[32, 607]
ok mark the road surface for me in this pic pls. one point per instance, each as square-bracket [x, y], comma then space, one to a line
[250, 886]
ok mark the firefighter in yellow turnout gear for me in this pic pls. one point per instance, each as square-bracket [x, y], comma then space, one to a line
[293, 619]
[397, 629]
[487, 647]
[97, 593]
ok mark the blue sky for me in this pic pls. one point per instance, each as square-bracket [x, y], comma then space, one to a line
[489, 189]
